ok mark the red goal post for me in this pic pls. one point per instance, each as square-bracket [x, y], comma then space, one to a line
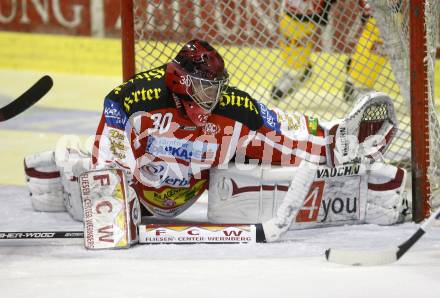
[396, 56]
[419, 93]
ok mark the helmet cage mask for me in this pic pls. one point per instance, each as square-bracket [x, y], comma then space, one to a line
[205, 93]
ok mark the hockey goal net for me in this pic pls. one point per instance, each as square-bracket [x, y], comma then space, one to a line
[325, 60]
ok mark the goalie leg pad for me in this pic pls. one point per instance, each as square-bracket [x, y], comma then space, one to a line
[349, 194]
[111, 210]
[387, 201]
[44, 182]
[246, 195]
[336, 196]
[71, 163]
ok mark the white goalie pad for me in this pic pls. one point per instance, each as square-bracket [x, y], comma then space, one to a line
[365, 133]
[349, 194]
[52, 180]
[72, 162]
[44, 183]
[387, 201]
[111, 210]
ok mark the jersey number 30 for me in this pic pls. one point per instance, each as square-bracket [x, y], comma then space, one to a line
[161, 122]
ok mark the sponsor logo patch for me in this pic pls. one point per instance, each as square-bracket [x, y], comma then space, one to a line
[117, 146]
[349, 170]
[172, 198]
[154, 168]
[174, 181]
[269, 117]
[230, 99]
[327, 203]
[114, 115]
[181, 149]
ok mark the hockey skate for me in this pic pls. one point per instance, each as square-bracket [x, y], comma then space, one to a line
[289, 83]
[349, 91]
[349, 88]
[352, 93]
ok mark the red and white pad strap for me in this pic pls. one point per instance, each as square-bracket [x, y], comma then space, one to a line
[111, 210]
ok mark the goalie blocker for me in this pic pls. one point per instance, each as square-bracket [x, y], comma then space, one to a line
[111, 210]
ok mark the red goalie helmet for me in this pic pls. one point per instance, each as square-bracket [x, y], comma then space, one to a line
[197, 76]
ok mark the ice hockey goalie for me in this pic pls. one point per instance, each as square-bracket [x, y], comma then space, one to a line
[170, 133]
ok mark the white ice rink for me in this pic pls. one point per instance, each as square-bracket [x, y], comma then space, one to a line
[294, 268]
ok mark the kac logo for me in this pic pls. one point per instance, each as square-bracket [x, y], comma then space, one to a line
[211, 128]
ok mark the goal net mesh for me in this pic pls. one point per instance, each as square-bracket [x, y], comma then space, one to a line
[315, 63]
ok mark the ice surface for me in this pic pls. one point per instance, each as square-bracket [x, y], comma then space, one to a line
[294, 268]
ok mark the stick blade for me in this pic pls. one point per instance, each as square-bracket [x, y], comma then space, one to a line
[361, 257]
[27, 99]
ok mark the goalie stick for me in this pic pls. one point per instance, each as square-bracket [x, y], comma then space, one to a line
[275, 227]
[41, 235]
[379, 257]
[27, 99]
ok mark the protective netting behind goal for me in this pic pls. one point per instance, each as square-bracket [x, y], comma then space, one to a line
[286, 57]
